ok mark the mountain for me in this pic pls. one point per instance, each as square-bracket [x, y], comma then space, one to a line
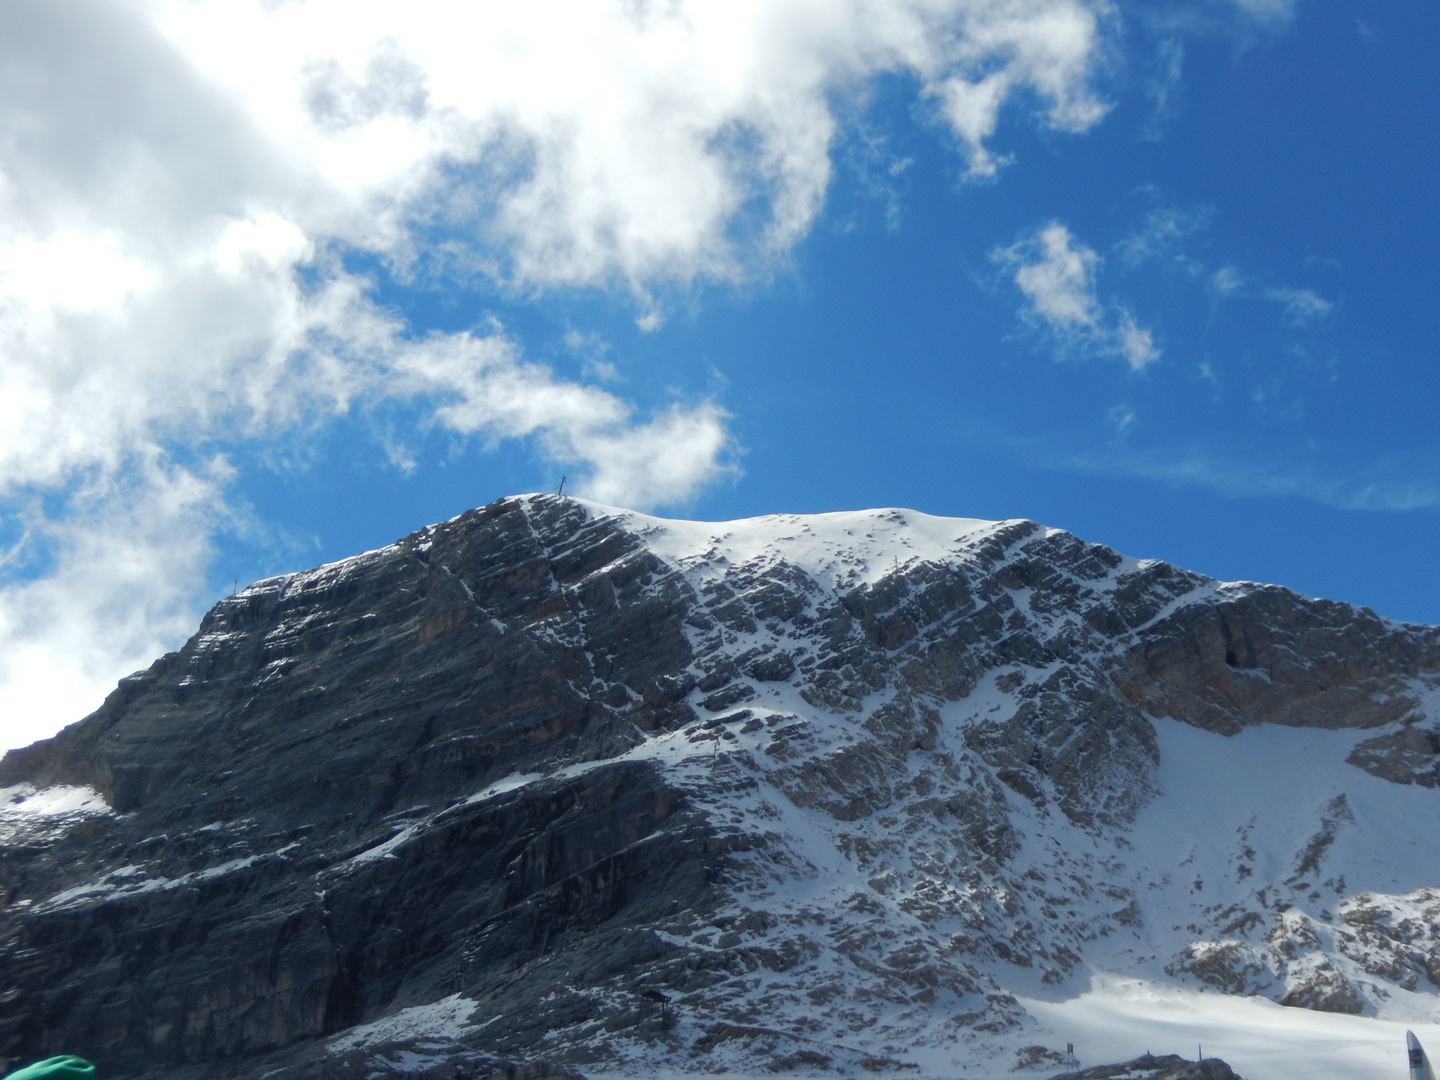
[554, 787]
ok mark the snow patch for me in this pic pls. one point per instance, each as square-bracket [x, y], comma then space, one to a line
[444, 1019]
[505, 784]
[1119, 1018]
[51, 801]
[852, 547]
[121, 883]
[385, 850]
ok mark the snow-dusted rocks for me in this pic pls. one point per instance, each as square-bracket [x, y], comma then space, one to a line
[1152, 1067]
[556, 786]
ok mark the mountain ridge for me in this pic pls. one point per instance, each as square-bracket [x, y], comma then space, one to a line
[841, 798]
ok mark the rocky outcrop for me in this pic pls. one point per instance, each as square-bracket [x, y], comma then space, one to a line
[1156, 1067]
[1324, 989]
[1267, 656]
[550, 786]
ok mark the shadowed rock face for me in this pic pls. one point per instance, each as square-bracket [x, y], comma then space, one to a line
[314, 717]
[471, 650]
[522, 763]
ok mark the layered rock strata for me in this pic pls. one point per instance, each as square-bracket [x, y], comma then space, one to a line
[551, 786]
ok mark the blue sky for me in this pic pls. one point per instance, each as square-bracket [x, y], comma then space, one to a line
[1161, 274]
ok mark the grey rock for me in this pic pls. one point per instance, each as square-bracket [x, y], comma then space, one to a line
[1326, 990]
[366, 790]
[1270, 656]
[1156, 1067]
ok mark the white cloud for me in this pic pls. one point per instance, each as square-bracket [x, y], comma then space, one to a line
[170, 166]
[129, 561]
[1058, 276]
[484, 388]
[591, 143]
[1056, 273]
[1136, 343]
[180, 180]
[1047, 47]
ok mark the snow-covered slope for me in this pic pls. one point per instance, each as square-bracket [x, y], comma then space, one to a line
[1257, 863]
[965, 792]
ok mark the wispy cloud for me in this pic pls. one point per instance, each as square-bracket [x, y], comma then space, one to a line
[1267, 11]
[1056, 273]
[1169, 236]
[1377, 489]
[1164, 86]
[1120, 419]
[1165, 235]
[1301, 306]
[1298, 307]
[1381, 485]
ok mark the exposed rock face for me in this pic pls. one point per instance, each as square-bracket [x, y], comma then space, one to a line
[1261, 658]
[1157, 1067]
[553, 785]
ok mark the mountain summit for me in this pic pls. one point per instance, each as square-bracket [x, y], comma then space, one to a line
[554, 786]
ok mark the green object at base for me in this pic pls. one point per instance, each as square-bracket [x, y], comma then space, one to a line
[64, 1067]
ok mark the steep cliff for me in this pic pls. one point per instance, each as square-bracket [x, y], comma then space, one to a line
[556, 786]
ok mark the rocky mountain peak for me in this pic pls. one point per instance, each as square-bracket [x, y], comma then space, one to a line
[555, 786]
